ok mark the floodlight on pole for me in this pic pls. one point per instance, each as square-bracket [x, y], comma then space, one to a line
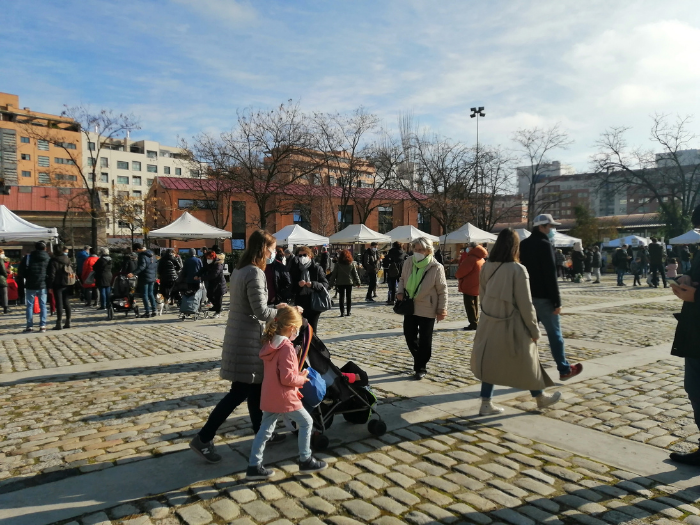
[476, 113]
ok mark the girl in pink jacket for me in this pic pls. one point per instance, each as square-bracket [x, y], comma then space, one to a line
[280, 394]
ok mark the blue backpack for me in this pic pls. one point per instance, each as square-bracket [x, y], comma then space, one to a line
[313, 390]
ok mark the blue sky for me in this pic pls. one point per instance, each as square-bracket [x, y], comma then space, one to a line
[185, 66]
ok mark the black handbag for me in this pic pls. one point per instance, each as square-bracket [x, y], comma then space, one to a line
[406, 306]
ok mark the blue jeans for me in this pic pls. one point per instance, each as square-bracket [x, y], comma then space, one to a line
[692, 385]
[267, 427]
[29, 298]
[620, 276]
[149, 297]
[105, 292]
[545, 315]
[487, 391]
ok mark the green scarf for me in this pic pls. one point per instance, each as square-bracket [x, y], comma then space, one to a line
[416, 275]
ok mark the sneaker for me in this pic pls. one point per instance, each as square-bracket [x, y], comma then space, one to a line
[28, 330]
[42, 329]
[470, 327]
[205, 450]
[489, 409]
[153, 314]
[276, 438]
[545, 400]
[420, 374]
[312, 465]
[574, 370]
[258, 472]
[216, 316]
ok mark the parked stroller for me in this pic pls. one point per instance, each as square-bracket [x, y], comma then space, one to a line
[193, 304]
[354, 401]
[123, 298]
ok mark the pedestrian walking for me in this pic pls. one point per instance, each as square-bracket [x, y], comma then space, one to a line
[103, 277]
[578, 260]
[80, 259]
[278, 280]
[636, 269]
[588, 263]
[240, 359]
[657, 256]
[685, 259]
[394, 264]
[307, 277]
[343, 277]
[468, 276]
[370, 262]
[537, 255]
[146, 271]
[505, 346]
[596, 264]
[88, 279]
[215, 281]
[280, 395]
[672, 268]
[560, 259]
[423, 281]
[60, 277]
[169, 268]
[4, 273]
[33, 270]
[324, 260]
[620, 263]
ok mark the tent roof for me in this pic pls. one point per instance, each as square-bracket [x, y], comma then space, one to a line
[522, 233]
[564, 241]
[467, 233]
[406, 234]
[14, 228]
[187, 227]
[691, 237]
[295, 234]
[630, 240]
[358, 234]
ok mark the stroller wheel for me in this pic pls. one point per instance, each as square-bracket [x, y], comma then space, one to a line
[319, 441]
[376, 427]
[110, 313]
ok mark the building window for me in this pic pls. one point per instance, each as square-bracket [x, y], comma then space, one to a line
[136, 181]
[424, 221]
[178, 171]
[149, 182]
[26, 173]
[44, 161]
[135, 165]
[91, 146]
[122, 165]
[152, 154]
[43, 145]
[123, 194]
[104, 177]
[151, 168]
[386, 219]
[105, 193]
[166, 170]
[104, 162]
[238, 224]
[26, 156]
[65, 145]
[69, 178]
[344, 216]
[59, 160]
[194, 174]
[121, 179]
[24, 140]
[91, 162]
[302, 217]
[137, 193]
[196, 203]
[44, 178]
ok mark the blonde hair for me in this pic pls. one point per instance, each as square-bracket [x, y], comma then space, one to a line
[285, 317]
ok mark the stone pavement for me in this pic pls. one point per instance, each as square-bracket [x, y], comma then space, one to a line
[95, 421]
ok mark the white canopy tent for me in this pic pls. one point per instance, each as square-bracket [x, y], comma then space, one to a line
[468, 233]
[630, 240]
[691, 237]
[522, 233]
[358, 234]
[564, 241]
[296, 235]
[14, 228]
[186, 228]
[407, 234]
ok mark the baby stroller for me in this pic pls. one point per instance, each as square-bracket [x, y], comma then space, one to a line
[355, 401]
[193, 305]
[123, 298]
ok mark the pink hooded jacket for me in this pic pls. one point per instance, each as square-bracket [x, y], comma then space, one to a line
[281, 378]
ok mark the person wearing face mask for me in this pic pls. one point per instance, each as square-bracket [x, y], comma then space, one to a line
[423, 279]
[537, 255]
[215, 282]
[307, 276]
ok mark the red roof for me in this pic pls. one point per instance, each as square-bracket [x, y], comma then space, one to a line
[39, 198]
[189, 184]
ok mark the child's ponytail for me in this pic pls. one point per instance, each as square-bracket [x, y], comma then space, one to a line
[288, 316]
[270, 331]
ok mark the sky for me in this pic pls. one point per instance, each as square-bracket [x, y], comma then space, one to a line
[186, 66]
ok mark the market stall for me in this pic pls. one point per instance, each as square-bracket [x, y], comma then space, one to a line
[358, 234]
[466, 234]
[15, 229]
[188, 228]
[295, 235]
[630, 240]
[691, 237]
[408, 234]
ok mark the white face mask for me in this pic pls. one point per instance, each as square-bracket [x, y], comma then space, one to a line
[294, 334]
[270, 257]
[418, 257]
[304, 260]
[209, 261]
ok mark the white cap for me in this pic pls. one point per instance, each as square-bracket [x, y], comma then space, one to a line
[545, 218]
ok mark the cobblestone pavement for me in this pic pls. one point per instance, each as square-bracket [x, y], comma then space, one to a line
[617, 330]
[647, 404]
[439, 472]
[660, 310]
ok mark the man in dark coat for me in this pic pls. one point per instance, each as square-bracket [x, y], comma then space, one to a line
[393, 264]
[370, 262]
[686, 342]
[324, 260]
[34, 270]
[103, 277]
[537, 255]
[621, 264]
[146, 271]
[656, 262]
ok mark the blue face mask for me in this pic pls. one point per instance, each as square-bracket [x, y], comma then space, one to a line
[552, 233]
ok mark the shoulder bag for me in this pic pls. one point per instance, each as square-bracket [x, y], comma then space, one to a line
[406, 305]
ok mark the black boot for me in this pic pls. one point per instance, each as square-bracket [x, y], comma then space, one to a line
[67, 325]
[58, 326]
[692, 458]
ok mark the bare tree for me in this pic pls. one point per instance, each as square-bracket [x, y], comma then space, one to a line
[535, 145]
[129, 211]
[494, 180]
[107, 126]
[670, 179]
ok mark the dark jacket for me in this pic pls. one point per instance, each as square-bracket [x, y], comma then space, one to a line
[324, 260]
[537, 255]
[56, 271]
[577, 259]
[192, 267]
[278, 282]
[559, 258]
[619, 259]
[656, 253]
[146, 268]
[596, 261]
[587, 261]
[103, 272]
[344, 275]
[438, 256]
[34, 270]
[644, 255]
[168, 268]
[685, 254]
[370, 261]
[130, 263]
[686, 342]
[3, 273]
[395, 257]
[302, 296]
[80, 258]
[213, 275]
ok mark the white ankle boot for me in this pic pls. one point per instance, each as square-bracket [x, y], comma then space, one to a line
[545, 400]
[488, 408]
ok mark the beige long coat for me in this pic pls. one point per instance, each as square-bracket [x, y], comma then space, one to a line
[504, 353]
[431, 298]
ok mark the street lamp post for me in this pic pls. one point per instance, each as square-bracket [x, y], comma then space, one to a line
[476, 113]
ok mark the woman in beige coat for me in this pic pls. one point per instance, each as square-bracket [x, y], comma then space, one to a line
[423, 279]
[505, 345]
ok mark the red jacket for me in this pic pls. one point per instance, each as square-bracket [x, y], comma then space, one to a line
[88, 266]
[469, 270]
[281, 377]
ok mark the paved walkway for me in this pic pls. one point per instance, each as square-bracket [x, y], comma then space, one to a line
[96, 420]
